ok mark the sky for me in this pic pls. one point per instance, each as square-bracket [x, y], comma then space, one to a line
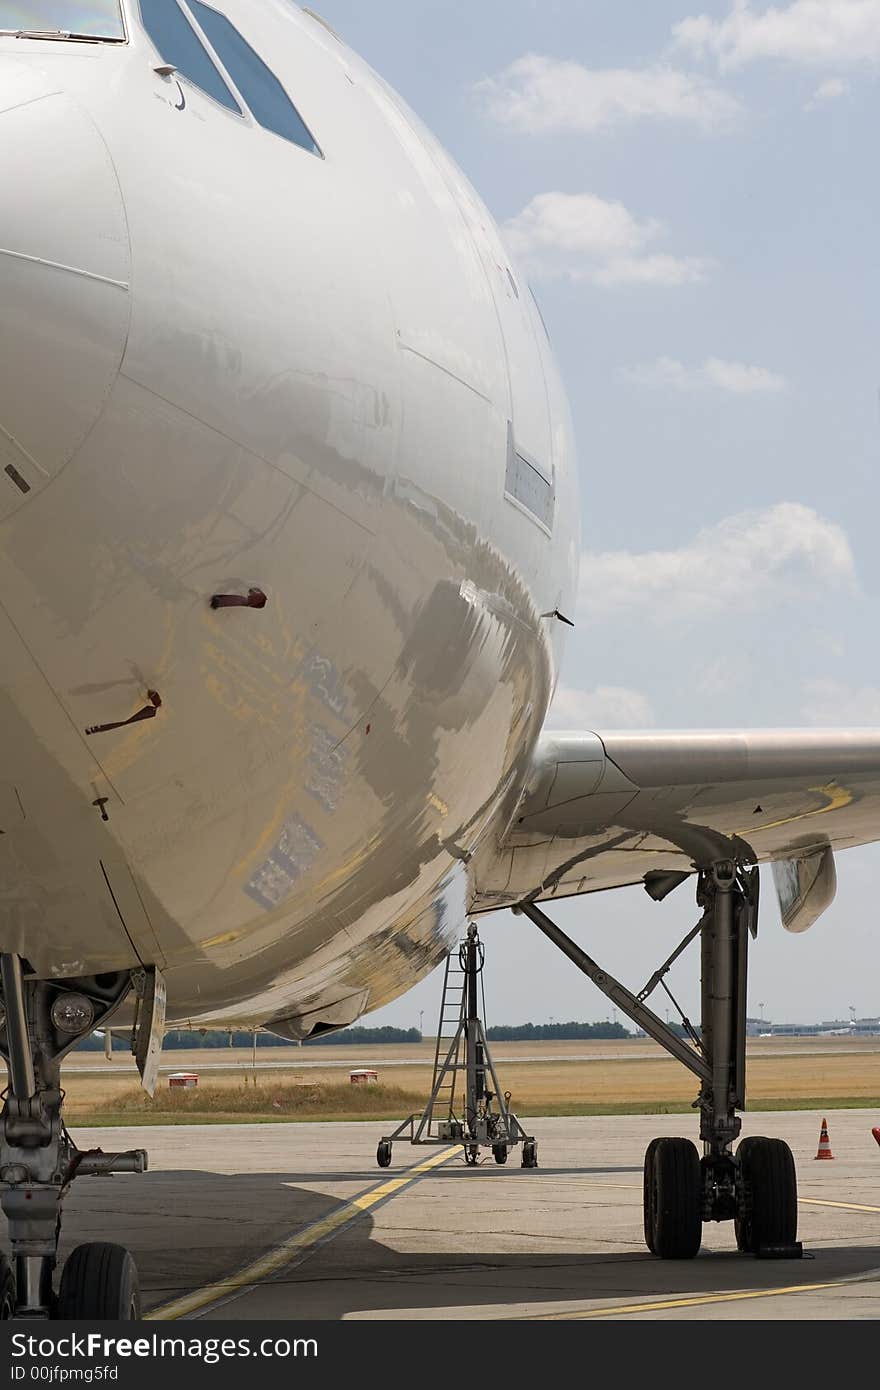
[692, 192]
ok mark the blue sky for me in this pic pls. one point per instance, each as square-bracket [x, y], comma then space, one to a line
[692, 190]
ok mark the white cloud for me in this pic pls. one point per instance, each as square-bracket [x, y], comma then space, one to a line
[538, 95]
[736, 378]
[605, 707]
[829, 90]
[583, 237]
[829, 702]
[741, 379]
[579, 223]
[751, 561]
[657, 269]
[827, 32]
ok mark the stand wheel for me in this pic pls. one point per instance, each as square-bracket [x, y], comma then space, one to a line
[383, 1153]
[768, 1185]
[7, 1289]
[500, 1152]
[471, 1154]
[529, 1154]
[99, 1284]
[673, 1199]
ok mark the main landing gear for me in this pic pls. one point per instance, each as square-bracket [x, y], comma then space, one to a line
[41, 1021]
[755, 1186]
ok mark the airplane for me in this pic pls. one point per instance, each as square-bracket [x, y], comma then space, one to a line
[288, 555]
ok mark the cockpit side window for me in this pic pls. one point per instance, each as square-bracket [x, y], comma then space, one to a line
[62, 19]
[179, 44]
[264, 94]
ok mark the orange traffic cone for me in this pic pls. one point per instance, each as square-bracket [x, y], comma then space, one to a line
[824, 1142]
[876, 1133]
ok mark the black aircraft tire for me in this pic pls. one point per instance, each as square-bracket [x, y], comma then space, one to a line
[742, 1224]
[646, 1194]
[673, 1198]
[769, 1184]
[99, 1284]
[7, 1289]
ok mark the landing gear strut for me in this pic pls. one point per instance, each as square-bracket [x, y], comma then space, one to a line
[41, 1021]
[756, 1186]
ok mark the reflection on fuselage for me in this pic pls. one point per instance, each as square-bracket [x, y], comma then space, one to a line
[300, 373]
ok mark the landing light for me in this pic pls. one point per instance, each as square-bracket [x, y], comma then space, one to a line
[72, 1013]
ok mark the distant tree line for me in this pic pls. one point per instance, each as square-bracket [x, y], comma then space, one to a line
[554, 1032]
[190, 1038]
[358, 1037]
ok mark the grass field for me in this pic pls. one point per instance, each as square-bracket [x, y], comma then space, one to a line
[630, 1077]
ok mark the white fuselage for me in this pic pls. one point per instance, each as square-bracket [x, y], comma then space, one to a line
[226, 362]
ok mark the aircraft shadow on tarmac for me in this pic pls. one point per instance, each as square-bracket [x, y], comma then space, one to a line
[189, 1228]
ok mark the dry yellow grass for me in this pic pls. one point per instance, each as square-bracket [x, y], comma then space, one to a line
[779, 1070]
[277, 1102]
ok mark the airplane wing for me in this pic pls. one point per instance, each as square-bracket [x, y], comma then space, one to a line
[603, 810]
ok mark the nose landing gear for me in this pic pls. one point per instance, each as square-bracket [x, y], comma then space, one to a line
[38, 1159]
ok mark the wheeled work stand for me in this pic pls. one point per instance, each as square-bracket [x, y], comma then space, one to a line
[755, 1186]
[478, 1123]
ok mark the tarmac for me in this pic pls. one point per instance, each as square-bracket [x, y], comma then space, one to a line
[296, 1221]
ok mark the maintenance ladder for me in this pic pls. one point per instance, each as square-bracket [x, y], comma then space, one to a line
[476, 1122]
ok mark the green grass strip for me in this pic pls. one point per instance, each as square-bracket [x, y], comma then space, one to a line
[549, 1110]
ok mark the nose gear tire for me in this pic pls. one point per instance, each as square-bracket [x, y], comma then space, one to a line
[99, 1284]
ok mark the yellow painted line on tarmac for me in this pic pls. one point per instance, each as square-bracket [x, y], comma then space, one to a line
[297, 1246]
[845, 1206]
[802, 1201]
[621, 1309]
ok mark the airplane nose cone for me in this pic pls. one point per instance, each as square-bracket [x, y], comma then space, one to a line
[64, 275]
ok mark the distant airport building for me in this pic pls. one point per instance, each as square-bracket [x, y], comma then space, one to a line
[794, 1030]
[830, 1027]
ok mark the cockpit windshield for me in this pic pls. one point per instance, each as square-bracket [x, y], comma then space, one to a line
[62, 19]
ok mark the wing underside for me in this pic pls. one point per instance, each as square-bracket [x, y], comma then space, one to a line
[603, 810]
